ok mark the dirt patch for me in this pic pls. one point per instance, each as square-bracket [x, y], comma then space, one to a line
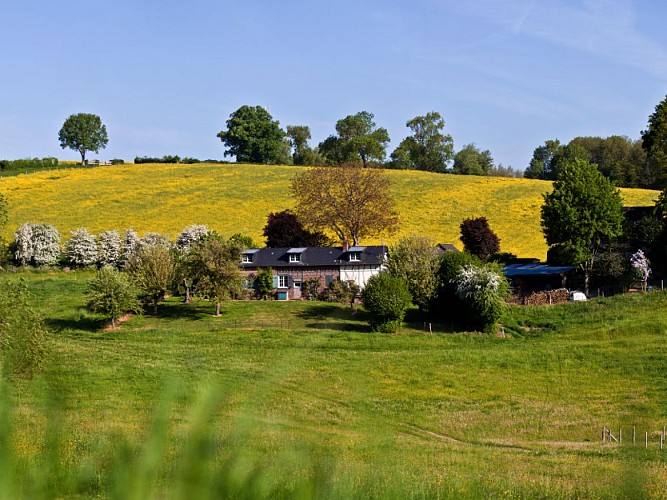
[122, 319]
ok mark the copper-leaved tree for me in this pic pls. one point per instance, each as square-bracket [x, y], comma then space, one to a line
[350, 201]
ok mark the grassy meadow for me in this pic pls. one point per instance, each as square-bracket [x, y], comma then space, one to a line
[186, 405]
[237, 198]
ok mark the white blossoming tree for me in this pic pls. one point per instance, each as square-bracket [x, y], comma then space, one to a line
[108, 249]
[81, 249]
[641, 267]
[484, 290]
[189, 236]
[37, 244]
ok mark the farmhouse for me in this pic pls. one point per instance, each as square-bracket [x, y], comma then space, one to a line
[293, 266]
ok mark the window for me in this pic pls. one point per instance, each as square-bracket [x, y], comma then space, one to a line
[283, 281]
[297, 284]
[295, 257]
[246, 258]
[355, 256]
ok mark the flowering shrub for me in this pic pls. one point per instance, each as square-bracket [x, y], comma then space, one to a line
[484, 290]
[108, 248]
[81, 249]
[37, 244]
[641, 266]
[189, 236]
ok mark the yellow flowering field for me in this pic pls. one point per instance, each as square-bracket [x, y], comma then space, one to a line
[237, 198]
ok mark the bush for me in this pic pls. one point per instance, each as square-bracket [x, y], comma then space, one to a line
[263, 283]
[81, 249]
[117, 161]
[29, 164]
[343, 292]
[446, 303]
[478, 238]
[387, 299]
[112, 293]
[37, 244]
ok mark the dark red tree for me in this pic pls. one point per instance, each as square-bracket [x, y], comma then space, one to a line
[283, 229]
[478, 238]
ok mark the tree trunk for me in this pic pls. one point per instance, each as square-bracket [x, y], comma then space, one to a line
[83, 157]
[188, 298]
[155, 308]
[113, 323]
[217, 308]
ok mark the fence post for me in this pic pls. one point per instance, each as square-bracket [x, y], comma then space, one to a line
[604, 434]
[646, 439]
[620, 435]
[633, 435]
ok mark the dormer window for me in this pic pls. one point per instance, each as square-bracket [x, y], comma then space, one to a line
[248, 256]
[295, 257]
[354, 254]
[294, 254]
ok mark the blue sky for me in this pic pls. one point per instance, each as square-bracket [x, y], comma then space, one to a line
[165, 75]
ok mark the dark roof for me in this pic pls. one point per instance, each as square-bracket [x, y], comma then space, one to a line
[313, 257]
[512, 270]
[445, 247]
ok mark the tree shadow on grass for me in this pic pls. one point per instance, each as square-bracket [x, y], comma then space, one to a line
[84, 323]
[333, 317]
[180, 310]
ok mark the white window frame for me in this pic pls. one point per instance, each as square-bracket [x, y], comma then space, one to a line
[295, 257]
[283, 281]
[297, 283]
[355, 256]
[246, 258]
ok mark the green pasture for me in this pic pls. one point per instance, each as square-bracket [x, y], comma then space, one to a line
[300, 400]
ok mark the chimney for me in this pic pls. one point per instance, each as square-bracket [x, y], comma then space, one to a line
[346, 245]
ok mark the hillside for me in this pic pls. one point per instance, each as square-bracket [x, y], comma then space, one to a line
[237, 198]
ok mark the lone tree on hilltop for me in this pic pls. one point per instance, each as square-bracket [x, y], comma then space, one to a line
[350, 201]
[83, 132]
[253, 136]
[580, 215]
[478, 238]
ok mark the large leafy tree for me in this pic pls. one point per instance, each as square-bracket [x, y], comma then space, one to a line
[472, 161]
[83, 132]
[541, 163]
[654, 142]
[303, 154]
[415, 260]
[284, 229]
[358, 140]
[427, 148]
[350, 201]
[253, 136]
[580, 215]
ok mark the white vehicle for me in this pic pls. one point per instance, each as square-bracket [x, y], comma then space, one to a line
[577, 296]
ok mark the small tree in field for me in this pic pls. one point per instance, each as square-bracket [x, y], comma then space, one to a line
[386, 298]
[213, 265]
[81, 249]
[153, 269]
[478, 238]
[112, 293]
